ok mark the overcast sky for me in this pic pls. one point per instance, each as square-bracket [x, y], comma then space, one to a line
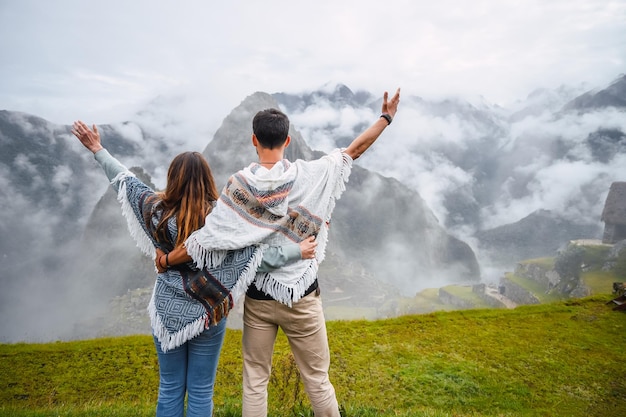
[103, 60]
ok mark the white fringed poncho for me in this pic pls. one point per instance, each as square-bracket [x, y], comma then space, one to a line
[290, 202]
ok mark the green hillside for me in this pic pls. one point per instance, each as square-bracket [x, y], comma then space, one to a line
[588, 268]
[559, 359]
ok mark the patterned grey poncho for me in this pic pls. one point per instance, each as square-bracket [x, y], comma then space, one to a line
[184, 301]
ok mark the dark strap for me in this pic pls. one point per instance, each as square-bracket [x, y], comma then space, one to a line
[256, 294]
[208, 290]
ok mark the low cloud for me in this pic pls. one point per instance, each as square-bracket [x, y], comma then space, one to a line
[541, 161]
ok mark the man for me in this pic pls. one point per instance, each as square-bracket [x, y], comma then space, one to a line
[276, 201]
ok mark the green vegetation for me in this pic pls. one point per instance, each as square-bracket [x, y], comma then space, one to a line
[466, 293]
[545, 263]
[426, 301]
[563, 357]
[594, 256]
[591, 264]
[350, 313]
[620, 265]
[558, 359]
[534, 288]
[599, 282]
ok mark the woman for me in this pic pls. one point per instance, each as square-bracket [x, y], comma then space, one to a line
[188, 308]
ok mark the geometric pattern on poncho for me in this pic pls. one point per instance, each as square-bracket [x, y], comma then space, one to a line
[182, 295]
[176, 310]
[211, 286]
[231, 267]
[244, 199]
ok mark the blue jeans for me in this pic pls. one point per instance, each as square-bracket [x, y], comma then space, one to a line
[190, 367]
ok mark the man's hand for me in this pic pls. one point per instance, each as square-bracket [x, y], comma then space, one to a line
[369, 136]
[88, 137]
[391, 107]
[307, 248]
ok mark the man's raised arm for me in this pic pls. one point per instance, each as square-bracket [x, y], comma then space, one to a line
[369, 136]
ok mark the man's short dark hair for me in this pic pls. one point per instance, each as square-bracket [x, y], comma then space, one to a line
[271, 127]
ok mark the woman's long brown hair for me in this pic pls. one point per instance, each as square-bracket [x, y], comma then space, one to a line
[189, 195]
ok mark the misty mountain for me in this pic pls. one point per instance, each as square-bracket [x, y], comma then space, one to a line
[544, 101]
[378, 222]
[339, 95]
[453, 188]
[72, 223]
[49, 187]
[481, 167]
[540, 234]
[114, 259]
[612, 96]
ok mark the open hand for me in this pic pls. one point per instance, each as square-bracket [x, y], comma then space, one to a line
[391, 106]
[90, 138]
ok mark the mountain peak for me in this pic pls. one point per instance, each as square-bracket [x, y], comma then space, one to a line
[612, 96]
[333, 94]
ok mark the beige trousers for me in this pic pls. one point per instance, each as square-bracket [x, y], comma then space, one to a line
[305, 328]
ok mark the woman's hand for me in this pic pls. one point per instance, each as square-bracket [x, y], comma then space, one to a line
[158, 262]
[307, 248]
[88, 137]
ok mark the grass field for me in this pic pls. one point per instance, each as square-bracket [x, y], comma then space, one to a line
[558, 359]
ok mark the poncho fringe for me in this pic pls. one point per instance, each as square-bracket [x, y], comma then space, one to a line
[209, 314]
[136, 230]
[169, 340]
[248, 221]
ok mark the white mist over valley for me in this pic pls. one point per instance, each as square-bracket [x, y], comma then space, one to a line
[509, 135]
[463, 167]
